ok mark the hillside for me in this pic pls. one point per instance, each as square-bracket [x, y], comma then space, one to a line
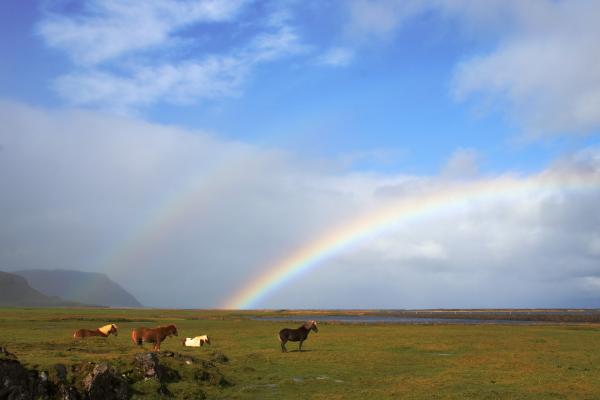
[16, 292]
[84, 287]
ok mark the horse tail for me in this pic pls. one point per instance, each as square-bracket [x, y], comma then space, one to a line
[80, 334]
[134, 337]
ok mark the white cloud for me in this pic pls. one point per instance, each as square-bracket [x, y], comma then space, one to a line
[337, 57]
[178, 83]
[594, 246]
[114, 44]
[544, 70]
[389, 250]
[274, 45]
[463, 163]
[172, 213]
[547, 71]
[110, 28]
[380, 19]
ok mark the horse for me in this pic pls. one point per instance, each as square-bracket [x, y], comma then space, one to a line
[296, 335]
[152, 335]
[198, 341]
[103, 331]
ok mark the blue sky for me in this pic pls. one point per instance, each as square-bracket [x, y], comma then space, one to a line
[389, 88]
[286, 118]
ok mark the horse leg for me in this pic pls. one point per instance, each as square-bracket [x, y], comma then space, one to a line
[300, 345]
[283, 349]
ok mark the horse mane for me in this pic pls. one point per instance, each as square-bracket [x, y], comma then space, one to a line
[107, 328]
[309, 324]
[167, 328]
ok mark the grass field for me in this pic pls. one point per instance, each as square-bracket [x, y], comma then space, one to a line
[342, 361]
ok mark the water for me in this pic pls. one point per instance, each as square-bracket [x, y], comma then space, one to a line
[376, 319]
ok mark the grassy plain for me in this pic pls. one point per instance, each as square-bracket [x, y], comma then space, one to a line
[342, 361]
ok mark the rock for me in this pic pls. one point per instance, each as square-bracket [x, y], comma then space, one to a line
[185, 358]
[164, 391]
[219, 357]
[208, 364]
[60, 371]
[43, 375]
[68, 393]
[148, 366]
[6, 355]
[104, 383]
[17, 382]
[212, 377]
[58, 375]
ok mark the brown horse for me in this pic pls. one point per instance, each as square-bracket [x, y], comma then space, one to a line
[297, 335]
[103, 331]
[152, 335]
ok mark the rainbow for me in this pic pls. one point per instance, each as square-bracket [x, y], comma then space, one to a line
[333, 242]
[200, 189]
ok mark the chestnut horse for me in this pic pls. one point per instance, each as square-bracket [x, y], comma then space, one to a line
[152, 335]
[297, 335]
[103, 331]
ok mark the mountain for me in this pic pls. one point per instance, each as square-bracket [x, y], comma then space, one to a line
[83, 287]
[16, 292]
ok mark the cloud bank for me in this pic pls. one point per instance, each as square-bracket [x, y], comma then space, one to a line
[543, 69]
[185, 219]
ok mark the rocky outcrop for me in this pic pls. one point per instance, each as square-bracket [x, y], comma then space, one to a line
[64, 390]
[104, 382]
[95, 381]
[18, 382]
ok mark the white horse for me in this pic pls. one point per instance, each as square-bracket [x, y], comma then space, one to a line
[197, 341]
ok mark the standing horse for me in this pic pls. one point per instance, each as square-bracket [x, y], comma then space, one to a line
[153, 335]
[296, 335]
[103, 331]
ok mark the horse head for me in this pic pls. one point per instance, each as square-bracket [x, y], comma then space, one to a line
[311, 325]
[204, 339]
[113, 329]
[172, 330]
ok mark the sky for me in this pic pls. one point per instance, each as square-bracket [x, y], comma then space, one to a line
[186, 148]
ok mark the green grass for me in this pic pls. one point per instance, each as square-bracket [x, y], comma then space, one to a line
[340, 362]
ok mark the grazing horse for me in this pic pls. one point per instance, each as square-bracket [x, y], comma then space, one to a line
[153, 335]
[296, 335]
[198, 341]
[103, 331]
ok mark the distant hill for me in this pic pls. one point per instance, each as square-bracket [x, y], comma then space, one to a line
[16, 292]
[84, 287]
